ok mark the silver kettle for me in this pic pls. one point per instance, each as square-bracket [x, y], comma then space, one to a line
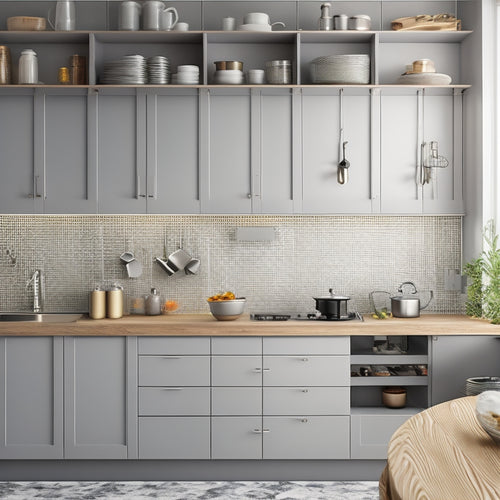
[408, 305]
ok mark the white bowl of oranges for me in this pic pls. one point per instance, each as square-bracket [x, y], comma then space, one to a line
[226, 306]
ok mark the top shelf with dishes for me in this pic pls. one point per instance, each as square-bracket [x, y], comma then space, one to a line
[318, 59]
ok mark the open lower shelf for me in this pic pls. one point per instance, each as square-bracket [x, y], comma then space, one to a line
[389, 359]
[382, 410]
[391, 380]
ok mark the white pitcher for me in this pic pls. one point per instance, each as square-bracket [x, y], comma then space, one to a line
[65, 16]
[129, 16]
[153, 12]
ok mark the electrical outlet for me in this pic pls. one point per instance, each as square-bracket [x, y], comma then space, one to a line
[453, 280]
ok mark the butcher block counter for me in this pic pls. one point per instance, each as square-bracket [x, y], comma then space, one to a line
[206, 325]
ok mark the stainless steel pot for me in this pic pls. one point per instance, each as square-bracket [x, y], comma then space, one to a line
[407, 306]
[332, 306]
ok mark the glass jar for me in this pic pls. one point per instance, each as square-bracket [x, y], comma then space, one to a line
[279, 72]
[28, 67]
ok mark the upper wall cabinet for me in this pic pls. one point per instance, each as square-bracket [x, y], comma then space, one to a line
[44, 152]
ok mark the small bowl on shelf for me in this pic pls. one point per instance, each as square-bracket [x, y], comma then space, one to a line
[227, 310]
[394, 397]
[26, 23]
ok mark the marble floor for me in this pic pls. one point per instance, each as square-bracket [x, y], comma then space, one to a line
[190, 490]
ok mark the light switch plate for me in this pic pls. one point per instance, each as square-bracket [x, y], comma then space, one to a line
[453, 280]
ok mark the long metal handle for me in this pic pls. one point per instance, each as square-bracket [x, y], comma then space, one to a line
[36, 187]
[172, 388]
[261, 431]
[170, 357]
[138, 188]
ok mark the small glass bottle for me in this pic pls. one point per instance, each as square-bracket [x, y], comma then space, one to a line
[28, 67]
[153, 303]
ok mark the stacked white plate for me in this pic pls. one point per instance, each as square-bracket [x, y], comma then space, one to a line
[158, 68]
[187, 74]
[129, 70]
[229, 77]
[343, 68]
[425, 79]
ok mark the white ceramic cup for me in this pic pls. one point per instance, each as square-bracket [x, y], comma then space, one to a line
[256, 18]
[256, 76]
[129, 16]
[168, 19]
[228, 23]
[181, 27]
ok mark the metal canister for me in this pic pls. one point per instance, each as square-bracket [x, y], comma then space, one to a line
[63, 75]
[5, 66]
[114, 302]
[279, 72]
[78, 70]
[97, 303]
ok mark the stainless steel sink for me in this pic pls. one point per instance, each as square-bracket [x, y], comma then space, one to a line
[40, 317]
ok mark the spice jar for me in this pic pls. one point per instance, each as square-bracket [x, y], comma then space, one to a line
[78, 70]
[63, 75]
[5, 65]
[28, 67]
[279, 72]
[97, 303]
[114, 302]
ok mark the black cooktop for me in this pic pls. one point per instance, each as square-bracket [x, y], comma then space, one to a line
[304, 317]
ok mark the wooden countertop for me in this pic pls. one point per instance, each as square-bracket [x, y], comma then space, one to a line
[206, 325]
[442, 452]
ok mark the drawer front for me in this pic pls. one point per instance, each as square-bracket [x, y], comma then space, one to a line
[306, 401]
[174, 371]
[236, 401]
[236, 438]
[174, 437]
[174, 345]
[236, 370]
[237, 345]
[370, 434]
[306, 370]
[306, 345]
[321, 438]
[174, 401]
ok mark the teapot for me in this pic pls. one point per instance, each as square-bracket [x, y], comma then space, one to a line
[153, 14]
[65, 16]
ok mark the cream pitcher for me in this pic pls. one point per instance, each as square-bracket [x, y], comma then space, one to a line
[65, 16]
[155, 14]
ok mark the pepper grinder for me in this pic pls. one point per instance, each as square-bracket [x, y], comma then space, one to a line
[326, 20]
[153, 303]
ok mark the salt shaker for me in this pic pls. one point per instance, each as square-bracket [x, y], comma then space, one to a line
[326, 20]
[28, 67]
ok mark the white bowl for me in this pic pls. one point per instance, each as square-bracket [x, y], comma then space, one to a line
[255, 27]
[227, 310]
[188, 68]
[425, 79]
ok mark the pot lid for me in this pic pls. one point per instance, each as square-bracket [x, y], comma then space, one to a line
[405, 298]
[332, 297]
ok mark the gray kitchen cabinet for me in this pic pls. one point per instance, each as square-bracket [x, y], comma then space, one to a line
[172, 177]
[174, 401]
[323, 135]
[182, 371]
[121, 152]
[237, 371]
[100, 397]
[457, 358]
[31, 398]
[236, 438]
[18, 182]
[237, 400]
[408, 125]
[306, 437]
[372, 429]
[183, 437]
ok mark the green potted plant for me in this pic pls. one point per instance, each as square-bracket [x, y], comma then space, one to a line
[483, 290]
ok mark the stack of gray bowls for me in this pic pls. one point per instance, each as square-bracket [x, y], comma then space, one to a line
[477, 385]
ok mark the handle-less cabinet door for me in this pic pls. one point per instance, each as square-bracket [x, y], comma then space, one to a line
[100, 394]
[66, 186]
[31, 397]
[323, 136]
[17, 182]
[121, 152]
[227, 177]
[172, 153]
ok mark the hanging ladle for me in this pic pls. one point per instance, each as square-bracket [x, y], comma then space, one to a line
[342, 173]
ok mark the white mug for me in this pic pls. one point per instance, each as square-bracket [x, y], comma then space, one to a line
[168, 19]
[129, 16]
[153, 16]
[228, 23]
[65, 16]
[181, 27]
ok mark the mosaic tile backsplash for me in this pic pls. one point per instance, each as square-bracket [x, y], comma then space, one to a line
[310, 254]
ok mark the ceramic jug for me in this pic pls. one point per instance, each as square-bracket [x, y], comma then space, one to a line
[65, 16]
[152, 15]
[129, 16]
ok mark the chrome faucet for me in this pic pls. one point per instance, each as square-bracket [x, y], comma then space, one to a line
[37, 282]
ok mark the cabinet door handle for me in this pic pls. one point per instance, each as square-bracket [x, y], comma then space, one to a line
[304, 359]
[261, 431]
[138, 188]
[36, 187]
[249, 196]
[257, 370]
[170, 357]
[266, 369]
[305, 390]
[303, 420]
[172, 388]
